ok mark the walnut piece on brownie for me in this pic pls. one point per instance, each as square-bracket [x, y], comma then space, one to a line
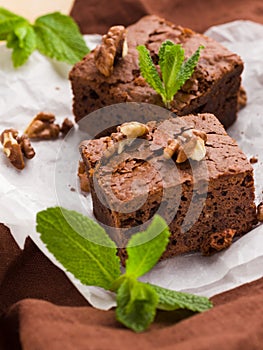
[214, 86]
[227, 188]
[113, 47]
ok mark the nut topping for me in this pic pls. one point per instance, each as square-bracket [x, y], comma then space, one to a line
[194, 149]
[171, 149]
[43, 127]
[15, 147]
[190, 144]
[113, 47]
[133, 129]
[188, 134]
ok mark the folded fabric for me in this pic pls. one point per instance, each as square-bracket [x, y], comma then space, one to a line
[62, 319]
[94, 17]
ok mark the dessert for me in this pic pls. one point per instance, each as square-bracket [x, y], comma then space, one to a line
[208, 198]
[214, 87]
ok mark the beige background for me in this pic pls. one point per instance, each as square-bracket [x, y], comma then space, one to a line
[31, 9]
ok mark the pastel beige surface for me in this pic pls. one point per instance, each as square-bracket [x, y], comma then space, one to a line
[32, 9]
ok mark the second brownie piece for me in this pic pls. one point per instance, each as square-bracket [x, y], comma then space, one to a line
[214, 86]
[210, 200]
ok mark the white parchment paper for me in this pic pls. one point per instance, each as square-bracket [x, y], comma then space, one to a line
[42, 85]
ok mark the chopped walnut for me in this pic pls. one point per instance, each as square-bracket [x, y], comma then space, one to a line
[43, 127]
[83, 178]
[113, 47]
[217, 241]
[26, 147]
[190, 144]
[171, 149]
[15, 147]
[260, 212]
[189, 134]
[194, 149]
[66, 126]
[133, 129]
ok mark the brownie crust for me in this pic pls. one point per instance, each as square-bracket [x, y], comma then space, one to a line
[214, 86]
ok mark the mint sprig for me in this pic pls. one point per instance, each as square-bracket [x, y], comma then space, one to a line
[54, 35]
[175, 71]
[84, 249]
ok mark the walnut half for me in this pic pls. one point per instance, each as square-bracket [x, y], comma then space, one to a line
[43, 127]
[113, 47]
[15, 148]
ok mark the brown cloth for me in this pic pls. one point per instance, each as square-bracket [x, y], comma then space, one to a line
[97, 16]
[40, 308]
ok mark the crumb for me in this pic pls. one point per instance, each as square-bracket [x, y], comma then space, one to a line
[253, 160]
[217, 241]
[83, 178]
[72, 189]
[57, 88]
[66, 126]
[260, 212]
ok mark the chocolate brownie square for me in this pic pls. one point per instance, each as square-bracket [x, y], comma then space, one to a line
[214, 87]
[205, 201]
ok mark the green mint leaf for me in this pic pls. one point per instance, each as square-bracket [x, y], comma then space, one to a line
[23, 42]
[92, 263]
[8, 22]
[145, 248]
[187, 68]
[172, 57]
[171, 300]
[149, 71]
[58, 37]
[174, 70]
[136, 304]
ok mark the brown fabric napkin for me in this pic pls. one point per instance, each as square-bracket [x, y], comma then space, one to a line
[97, 16]
[40, 309]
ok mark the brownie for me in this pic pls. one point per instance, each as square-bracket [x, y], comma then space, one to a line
[204, 201]
[214, 87]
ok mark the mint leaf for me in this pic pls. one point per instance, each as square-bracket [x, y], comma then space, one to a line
[23, 42]
[174, 70]
[58, 37]
[171, 300]
[136, 304]
[145, 248]
[172, 57]
[9, 21]
[149, 72]
[92, 263]
[187, 69]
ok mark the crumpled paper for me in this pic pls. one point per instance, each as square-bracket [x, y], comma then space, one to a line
[42, 85]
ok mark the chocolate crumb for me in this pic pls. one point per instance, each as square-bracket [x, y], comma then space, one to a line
[217, 241]
[83, 178]
[253, 160]
[260, 212]
[66, 126]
